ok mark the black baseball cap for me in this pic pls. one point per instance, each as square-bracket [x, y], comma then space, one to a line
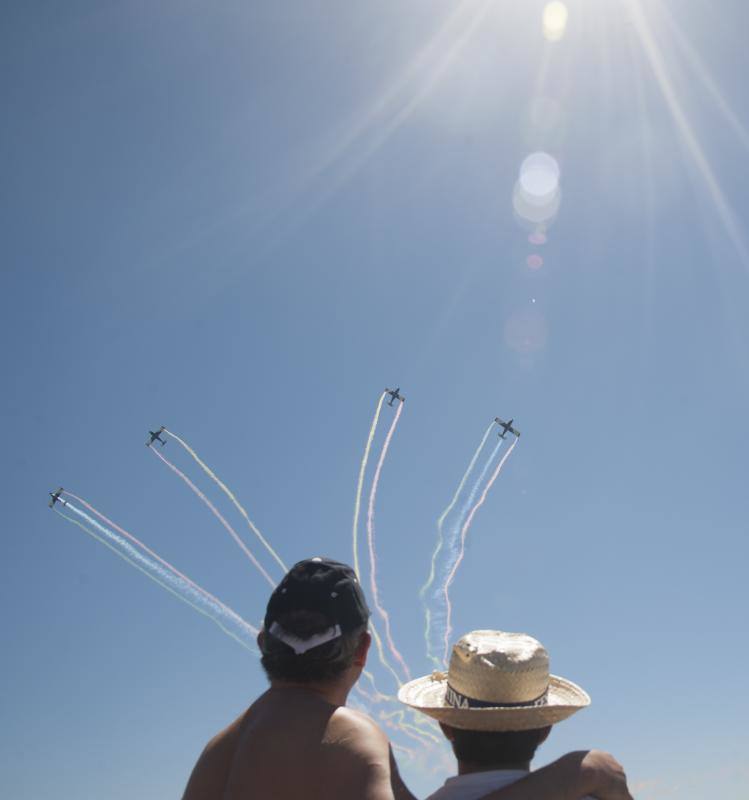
[322, 585]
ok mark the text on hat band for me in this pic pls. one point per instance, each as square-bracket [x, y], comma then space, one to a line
[457, 699]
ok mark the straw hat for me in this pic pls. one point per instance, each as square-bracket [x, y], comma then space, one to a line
[496, 681]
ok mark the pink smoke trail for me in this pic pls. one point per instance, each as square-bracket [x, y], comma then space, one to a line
[463, 534]
[370, 541]
[148, 550]
[407, 751]
[163, 577]
[217, 514]
[370, 698]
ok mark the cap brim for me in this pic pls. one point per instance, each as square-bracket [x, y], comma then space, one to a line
[427, 695]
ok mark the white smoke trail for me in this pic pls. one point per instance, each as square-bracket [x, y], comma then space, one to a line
[461, 553]
[438, 613]
[229, 621]
[440, 541]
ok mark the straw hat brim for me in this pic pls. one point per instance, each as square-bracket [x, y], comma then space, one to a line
[427, 695]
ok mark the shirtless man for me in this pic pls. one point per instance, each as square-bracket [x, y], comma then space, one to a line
[299, 740]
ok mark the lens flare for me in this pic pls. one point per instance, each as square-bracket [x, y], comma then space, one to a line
[534, 261]
[539, 176]
[537, 197]
[526, 331]
[538, 237]
[532, 212]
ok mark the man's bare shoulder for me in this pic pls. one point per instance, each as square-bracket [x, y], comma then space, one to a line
[356, 732]
[370, 757]
[358, 752]
[227, 738]
[212, 768]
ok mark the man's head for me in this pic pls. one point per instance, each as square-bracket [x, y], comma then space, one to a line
[484, 750]
[497, 702]
[315, 626]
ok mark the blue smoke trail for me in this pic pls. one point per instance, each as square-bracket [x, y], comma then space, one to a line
[441, 540]
[438, 613]
[226, 619]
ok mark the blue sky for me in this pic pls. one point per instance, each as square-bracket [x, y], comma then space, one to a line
[243, 220]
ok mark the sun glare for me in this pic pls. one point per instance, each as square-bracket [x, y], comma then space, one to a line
[555, 21]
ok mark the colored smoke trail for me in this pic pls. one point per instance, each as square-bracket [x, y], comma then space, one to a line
[145, 547]
[406, 751]
[217, 514]
[401, 717]
[360, 483]
[423, 738]
[463, 534]
[427, 724]
[440, 538]
[451, 543]
[355, 541]
[446, 512]
[225, 489]
[219, 613]
[376, 697]
[370, 541]
[370, 698]
[379, 696]
[381, 652]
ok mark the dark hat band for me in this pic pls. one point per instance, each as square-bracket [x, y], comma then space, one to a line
[457, 699]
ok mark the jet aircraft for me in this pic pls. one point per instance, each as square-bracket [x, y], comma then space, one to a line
[56, 497]
[155, 436]
[395, 395]
[506, 427]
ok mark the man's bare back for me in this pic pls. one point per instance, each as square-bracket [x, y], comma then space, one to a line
[292, 743]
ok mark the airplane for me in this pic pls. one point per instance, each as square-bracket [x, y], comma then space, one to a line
[395, 395]
[506, 426]
[155, 436]
[56, 497]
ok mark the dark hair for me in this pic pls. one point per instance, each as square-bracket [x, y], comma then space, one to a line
[323, 663]
[494, 748]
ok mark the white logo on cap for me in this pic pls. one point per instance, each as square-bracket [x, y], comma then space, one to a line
[299, 645]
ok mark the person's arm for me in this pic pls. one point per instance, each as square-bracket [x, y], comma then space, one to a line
[572, 777]
[399, 789]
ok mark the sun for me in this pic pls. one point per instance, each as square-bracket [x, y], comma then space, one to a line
[555, 21]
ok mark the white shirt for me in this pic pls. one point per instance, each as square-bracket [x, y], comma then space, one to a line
[475, 785]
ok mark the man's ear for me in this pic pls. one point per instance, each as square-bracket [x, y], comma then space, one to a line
[544, 734]
[448, 731]
[261, 640]
[360, 656]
